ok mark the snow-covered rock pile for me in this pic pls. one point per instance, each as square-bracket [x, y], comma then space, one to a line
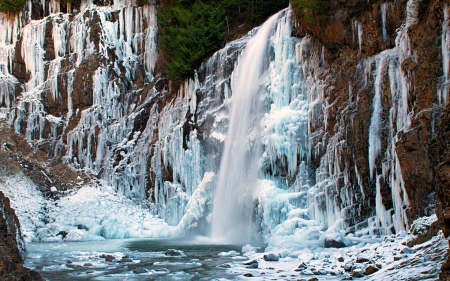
[92, 212]
[387, 259]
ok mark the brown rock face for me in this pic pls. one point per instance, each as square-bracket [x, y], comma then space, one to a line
[339, 28]
[11, 261]
[349, 41]
[439, 153]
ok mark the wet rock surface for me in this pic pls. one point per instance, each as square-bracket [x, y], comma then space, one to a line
[440, 157]
[11, 245]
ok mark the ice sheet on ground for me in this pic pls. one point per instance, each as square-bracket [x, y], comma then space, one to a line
[97, 212]
[93, 212]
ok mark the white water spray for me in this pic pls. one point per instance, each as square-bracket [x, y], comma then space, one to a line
[233, 202]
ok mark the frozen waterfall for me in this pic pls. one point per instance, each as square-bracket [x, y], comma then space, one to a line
[233, 206]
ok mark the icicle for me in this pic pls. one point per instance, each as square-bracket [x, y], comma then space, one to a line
[54, 6]
[8, 36]
[381, 210]
[33, 37]
[443, 88]
[376, 122]
[59, 38]
[383, 10]
[398, 120]
[52, 81]
[359, 29]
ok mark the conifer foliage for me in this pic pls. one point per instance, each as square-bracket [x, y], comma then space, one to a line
[191, 30]
[11, 6]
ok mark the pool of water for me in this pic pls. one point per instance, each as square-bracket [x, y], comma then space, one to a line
[134, 259]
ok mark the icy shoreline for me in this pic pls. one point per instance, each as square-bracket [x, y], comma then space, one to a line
[113, 260]
[95, 212]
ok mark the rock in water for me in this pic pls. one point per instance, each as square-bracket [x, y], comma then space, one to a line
[271, 257]
[139, 270]
[251, 264]
[109, 258]
[225, 265]
[172, 253]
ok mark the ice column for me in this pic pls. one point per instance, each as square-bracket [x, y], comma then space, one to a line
[445, 45]
[376, 124]
[383, 10]
[33, 36]
[9, 28]
[396, 120]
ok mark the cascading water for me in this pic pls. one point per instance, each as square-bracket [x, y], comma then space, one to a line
[232, 211]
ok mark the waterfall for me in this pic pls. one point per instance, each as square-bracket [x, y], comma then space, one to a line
[233, 202]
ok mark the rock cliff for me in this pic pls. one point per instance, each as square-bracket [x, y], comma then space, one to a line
[350, 109]
[380, 103]
[11, 245]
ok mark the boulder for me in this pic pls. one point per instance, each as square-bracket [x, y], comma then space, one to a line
[271, 257]
[334, 240]
[362, 258]
[139, 270]
[357, 273]
[172, 253]
[348, 266]
[251, 264]
[406, 250]
[370, 269]
[109, 258]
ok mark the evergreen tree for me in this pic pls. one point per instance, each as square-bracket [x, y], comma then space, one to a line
[11, 5]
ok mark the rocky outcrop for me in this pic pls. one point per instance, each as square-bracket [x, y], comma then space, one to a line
[440, 158]
[11, 245]
[373, 131]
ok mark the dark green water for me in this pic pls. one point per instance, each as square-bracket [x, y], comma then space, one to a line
[136, 259]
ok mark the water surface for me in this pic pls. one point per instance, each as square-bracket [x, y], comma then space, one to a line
[135, 259]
